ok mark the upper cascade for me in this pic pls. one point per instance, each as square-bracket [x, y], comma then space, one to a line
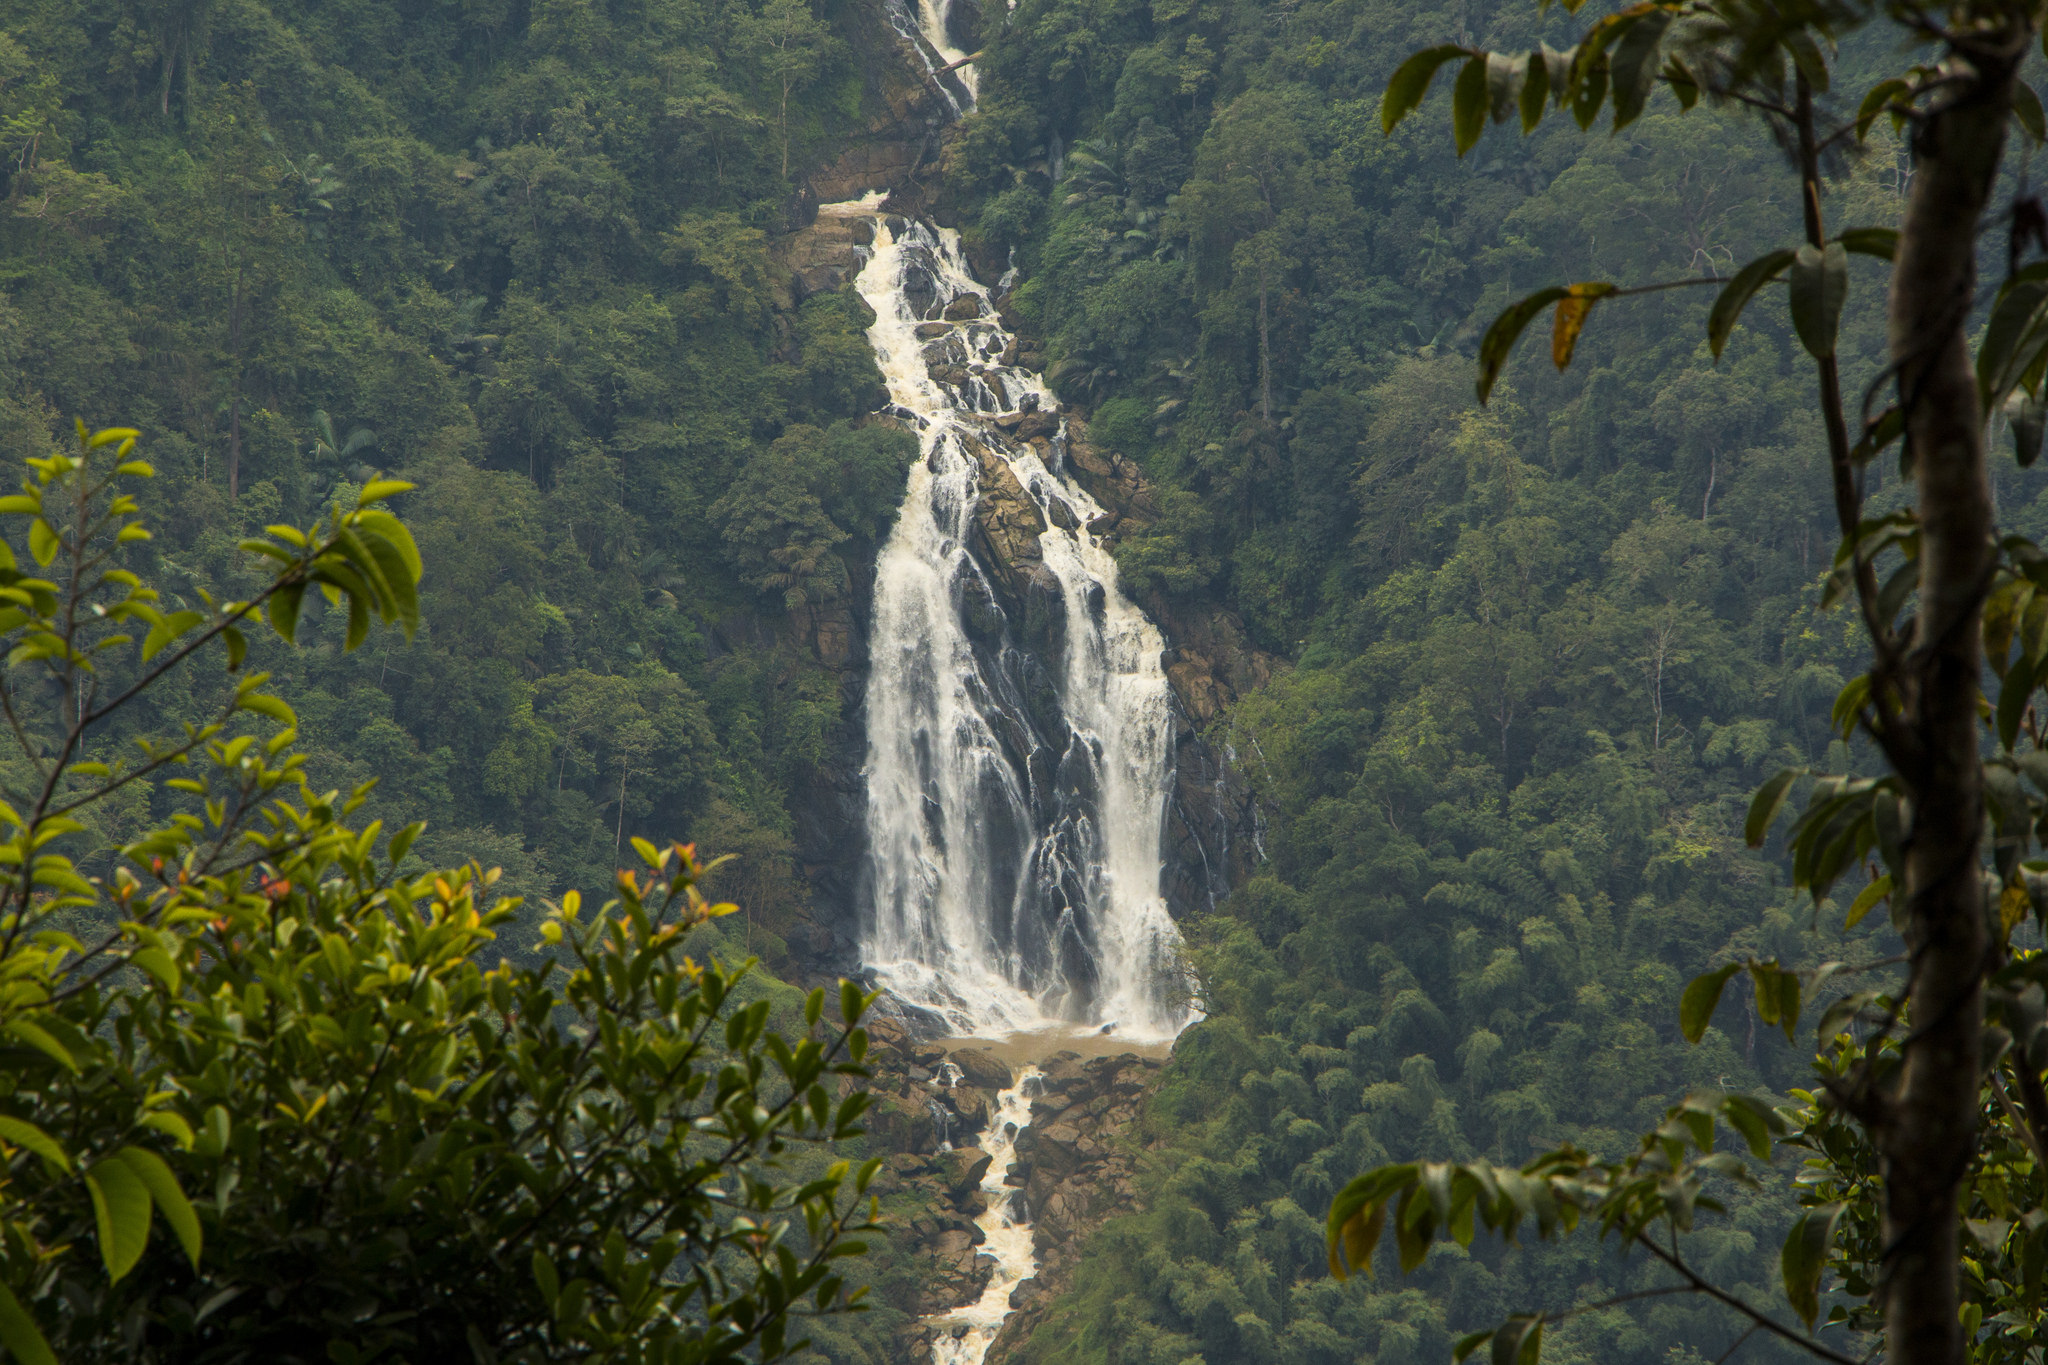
[1019, 728]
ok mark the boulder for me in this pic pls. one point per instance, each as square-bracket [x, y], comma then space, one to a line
[964, 309]
[979, 1067]
[961, 1170]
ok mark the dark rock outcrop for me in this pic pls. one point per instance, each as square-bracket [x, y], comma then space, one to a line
[1075, 1168]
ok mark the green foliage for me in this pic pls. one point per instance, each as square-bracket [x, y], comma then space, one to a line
[262, 1070]
[522, 256]
[1538, 657]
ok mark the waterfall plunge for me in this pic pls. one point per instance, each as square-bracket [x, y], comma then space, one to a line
[1017, 771]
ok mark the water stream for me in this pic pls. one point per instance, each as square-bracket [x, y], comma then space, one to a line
[966, 1333]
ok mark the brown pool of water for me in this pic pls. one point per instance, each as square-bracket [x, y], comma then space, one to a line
[1023, 1049]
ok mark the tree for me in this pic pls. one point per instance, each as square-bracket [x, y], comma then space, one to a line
[790, 44]
[1911, 1080]
[275, 1030]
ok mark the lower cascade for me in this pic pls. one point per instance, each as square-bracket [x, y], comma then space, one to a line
[1020, 733]
[965, 1334]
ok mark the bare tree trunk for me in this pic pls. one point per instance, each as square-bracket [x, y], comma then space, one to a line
[235, 391]
[1265, 355]
[1928, 1129]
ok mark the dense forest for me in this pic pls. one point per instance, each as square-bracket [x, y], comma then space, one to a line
[1536, 656]
[518, 253]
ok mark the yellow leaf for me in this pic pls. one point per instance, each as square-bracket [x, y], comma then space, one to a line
[1572, 311]
[2013, 904]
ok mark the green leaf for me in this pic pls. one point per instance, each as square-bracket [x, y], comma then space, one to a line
[37, 1037]
[1765, 805]
[1819, 286]
[1469, 1343]
[1754, 1120]
[121, 1209]
[1736, 294]
[1633, 68]
[171, 1126]
[1876, 102]
[42, 541]
[283, 611]
[19, 1333]
[158, 964]
[1411, 80]
[2027, 414]
[1702, 995]
[1535, 89]
[1518, 1341]
[2026, 111]
[1589, 92]
[546, 1279]
[377, 490]
[1500, 338]
[164, 1191]
[1867, 900]
[2015, 336]
[1807, 57]
[1881, 242]
[1358, 1213]
[2014, 694]
[1804, 1258]
[1469, 105]
[264, 704]
[22, 1133]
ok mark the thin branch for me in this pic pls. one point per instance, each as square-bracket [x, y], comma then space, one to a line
[1722, 1359]
[1762, 1320]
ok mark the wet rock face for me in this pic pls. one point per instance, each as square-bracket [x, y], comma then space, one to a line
[931, 1195]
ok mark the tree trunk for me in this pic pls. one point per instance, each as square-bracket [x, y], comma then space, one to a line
[235, 392]
[1929, 1130]
[1265, 355]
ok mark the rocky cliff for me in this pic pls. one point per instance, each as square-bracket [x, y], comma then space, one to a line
[1074, 1169]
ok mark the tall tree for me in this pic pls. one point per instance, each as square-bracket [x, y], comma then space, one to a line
[1918, 1099]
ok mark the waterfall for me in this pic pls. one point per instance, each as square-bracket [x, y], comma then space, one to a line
[1019, 735]
[966, 1333]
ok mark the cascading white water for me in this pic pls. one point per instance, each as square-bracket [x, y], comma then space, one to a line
[1006, 1232]
[1017, 770]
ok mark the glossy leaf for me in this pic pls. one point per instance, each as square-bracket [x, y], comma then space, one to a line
[166, 1195]
[121, 1212]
